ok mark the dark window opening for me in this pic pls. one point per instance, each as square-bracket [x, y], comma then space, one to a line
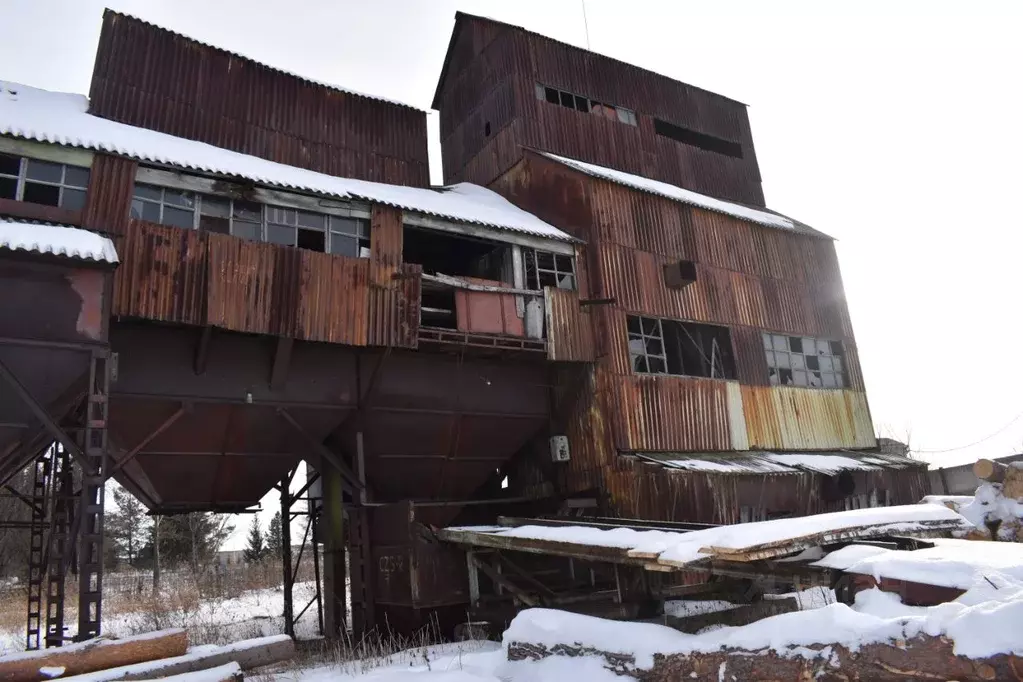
[804, 361]
[43, 182]
[441, 253]
[486, 129]
[697, 139]
[680, 274]
[680, 348]
[585, 104]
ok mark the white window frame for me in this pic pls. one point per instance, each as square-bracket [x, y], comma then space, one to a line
[21, 178]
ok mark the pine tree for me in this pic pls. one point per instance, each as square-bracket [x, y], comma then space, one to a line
[126, 525]
[274, 539]
[255, 551]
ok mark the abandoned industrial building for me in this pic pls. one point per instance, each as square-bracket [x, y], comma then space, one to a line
[215, 270]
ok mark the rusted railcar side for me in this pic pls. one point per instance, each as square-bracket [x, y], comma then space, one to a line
[153, 78]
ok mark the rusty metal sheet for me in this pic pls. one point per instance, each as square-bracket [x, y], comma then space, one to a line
[108, 198]
[333, 303]
[791, 418]
[569, 329]
[242, 275]
[153, 78]
[162, 275]
[671, 413]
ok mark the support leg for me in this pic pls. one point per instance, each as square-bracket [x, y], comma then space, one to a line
[91, 500]
[332, 526]
[286, 559]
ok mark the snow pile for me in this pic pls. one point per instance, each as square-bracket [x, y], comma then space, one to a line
[676, 193]
[686, 547]
[982, 622]
[989, 506]
[950, 563]
[58, 240]
[63, 118]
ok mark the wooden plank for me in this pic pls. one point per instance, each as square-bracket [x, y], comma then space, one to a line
[95, 654]
[612, 555]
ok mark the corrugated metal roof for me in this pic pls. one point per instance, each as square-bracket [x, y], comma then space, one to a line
[828, 463]
[58, 240]
[63, 118]
[685, 196]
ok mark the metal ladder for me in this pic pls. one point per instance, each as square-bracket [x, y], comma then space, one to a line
[41, 470]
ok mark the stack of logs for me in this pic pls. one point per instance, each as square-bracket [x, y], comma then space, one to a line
[162, 655]
[1002, 490]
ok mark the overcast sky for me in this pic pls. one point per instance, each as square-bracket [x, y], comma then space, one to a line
[893, 126]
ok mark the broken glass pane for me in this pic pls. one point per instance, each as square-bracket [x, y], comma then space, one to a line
[813, 362]
[567, 100]
[795, 344]
[836, 347]
[636, 345]
[632, 323]
[772, 376]
[639, 364]
[8, 188]
[650, 327]
[582, 104]
[41, 194]
[653, 347]
[656, 365]
[551, 95]
[815, 379]
[9, 165]
[785, 377]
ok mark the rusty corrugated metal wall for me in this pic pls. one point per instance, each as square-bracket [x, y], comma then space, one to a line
[489, 110]
[111, 181]
[153, 78]
[569, 330]
[173, 275]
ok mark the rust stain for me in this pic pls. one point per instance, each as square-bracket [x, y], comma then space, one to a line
[569, 328]
[791, 418]
[89, 285]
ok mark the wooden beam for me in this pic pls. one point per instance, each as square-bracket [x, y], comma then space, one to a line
[322, 450]
[458, 283]
[202, 350]
[166, 424]
[281, 363]
[516, 591]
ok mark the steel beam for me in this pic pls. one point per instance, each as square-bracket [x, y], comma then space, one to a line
[37, 410]
[322, 450]
[166, 424]
[333, 554]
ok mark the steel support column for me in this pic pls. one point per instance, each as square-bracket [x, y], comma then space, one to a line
[91, 499]
[332, 527]
[289, 577]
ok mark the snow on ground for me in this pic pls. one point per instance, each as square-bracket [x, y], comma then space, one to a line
[684, 547]
[950, 563]
[255, 613]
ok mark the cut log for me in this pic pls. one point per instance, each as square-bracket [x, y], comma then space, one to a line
[922, 658]
[230, 672]
[989, 470]
[95, 654]
[248, 654]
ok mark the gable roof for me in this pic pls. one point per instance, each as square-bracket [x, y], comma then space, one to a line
[685, 196]
[63, 119]
[462, 17]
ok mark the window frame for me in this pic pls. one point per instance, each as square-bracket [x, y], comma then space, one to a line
[727, 361]
[798, 362]
[268, 201]
[21, 179]
[532, 270]
[592, 106]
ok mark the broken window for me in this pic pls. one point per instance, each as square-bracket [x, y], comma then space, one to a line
[804, 361]
[251, 220]
[585, 104]
[680, 348]
[43, 182]
[545, 269]
[698, 139]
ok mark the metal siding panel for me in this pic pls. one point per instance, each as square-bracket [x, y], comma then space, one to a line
[736, 419]
[569, 328]
[162, 275]
[241, 284]
[790, 418]
[671, 414]
[108, 199]
[153, 78]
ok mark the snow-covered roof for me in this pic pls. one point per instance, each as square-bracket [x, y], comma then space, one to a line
[63, 118]
[684, 196]
[828, 463]
[58, 240]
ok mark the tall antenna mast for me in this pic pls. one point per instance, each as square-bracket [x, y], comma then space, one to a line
[586, 25]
